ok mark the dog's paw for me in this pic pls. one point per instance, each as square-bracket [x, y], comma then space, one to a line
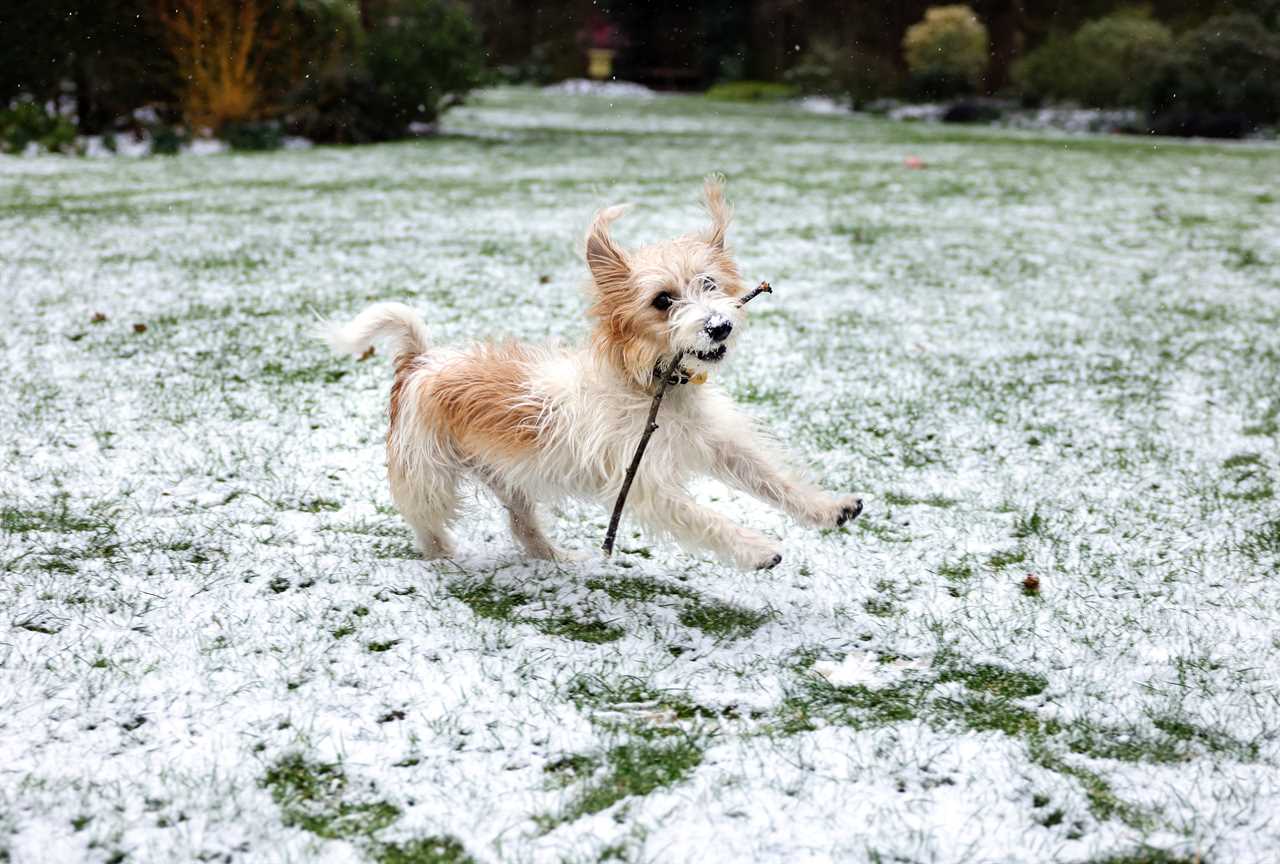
[847, 509]
[759, 554]
[835, 512]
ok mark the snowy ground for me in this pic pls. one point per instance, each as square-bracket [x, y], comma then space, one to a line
[1037, 355]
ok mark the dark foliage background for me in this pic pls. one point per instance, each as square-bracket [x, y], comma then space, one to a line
[367, 70]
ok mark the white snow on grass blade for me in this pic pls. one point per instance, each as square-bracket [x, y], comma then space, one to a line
[1043, 355]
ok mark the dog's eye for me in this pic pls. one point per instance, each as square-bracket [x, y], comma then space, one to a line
[709, 284]
[662, 302]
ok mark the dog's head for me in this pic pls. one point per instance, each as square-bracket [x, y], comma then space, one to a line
[681, 295]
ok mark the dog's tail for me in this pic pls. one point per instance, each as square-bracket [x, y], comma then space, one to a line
[396, 322]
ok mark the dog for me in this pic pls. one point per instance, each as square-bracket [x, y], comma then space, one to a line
[537, 424]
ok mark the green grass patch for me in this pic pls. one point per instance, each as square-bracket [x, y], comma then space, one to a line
[957, 572]
[857, 706]
[723, 620]
[580, 630]
[57, 517]
[427, 850]
[318, 797]
[313, 796]
[716, 618]
[1261, 545]
[639, 588]
[488, 599]
[997, 681]
[636, 768]
[1009, 557]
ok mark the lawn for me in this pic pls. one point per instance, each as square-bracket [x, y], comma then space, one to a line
[1038, 355]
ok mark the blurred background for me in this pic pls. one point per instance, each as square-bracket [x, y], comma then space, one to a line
[254, 72]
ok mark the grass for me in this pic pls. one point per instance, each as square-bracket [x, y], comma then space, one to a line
[499, 603]
[313, 796]
[316, 797]
[1044, 354]
[637, 768]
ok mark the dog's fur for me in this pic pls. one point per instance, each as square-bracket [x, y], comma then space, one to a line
[536, 424]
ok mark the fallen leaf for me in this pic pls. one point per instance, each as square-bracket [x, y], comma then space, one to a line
[368, 352]
[97, 318]
[139, 328]
[1031, 585]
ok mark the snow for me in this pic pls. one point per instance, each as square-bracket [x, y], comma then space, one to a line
[863, 668]
[608, 89]
[1074, 328]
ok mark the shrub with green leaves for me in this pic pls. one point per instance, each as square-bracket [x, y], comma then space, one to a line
[26, 123]
[828, 69]
[946, 52]
[417, 56]
[1109, 62]
[1223, 80]
[1119, 55]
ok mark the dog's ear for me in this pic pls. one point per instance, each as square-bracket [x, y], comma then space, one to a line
[607, 261]
[717, 209]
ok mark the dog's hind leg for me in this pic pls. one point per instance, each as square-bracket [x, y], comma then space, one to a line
[430, 505]
[522, 515]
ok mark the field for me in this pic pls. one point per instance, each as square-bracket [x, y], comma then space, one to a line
[1038, 355]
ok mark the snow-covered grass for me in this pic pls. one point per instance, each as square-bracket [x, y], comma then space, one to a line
[1039, 355]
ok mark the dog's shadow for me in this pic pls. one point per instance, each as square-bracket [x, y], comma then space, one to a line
[594, 600]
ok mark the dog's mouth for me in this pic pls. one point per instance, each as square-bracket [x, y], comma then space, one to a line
[715, 355]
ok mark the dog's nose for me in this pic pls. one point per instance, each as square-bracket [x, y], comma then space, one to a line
[718, 329]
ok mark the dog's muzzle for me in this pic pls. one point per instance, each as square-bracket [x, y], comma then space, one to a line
[717, 328]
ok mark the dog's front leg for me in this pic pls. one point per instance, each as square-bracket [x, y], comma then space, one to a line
[691, 525]
[748, 465]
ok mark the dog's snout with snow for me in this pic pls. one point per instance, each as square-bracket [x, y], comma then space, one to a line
[718, 328]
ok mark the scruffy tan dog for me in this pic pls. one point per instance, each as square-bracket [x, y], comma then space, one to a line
[539, 423]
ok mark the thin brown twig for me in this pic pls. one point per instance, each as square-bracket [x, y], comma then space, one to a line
[668, 374]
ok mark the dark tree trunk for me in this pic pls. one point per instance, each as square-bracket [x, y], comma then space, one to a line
[1005, 21]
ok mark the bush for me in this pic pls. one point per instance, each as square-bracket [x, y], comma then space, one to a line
[418, 56]
[252, 136]
[1107, 63]
[1048, 72]
[946, 52]
[973, 111]
[167, 140]
[221, 51]
[341, 107]
[826, 69]
[1221, 81]
[1119, 58]
[26, 123]
[751, 91]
